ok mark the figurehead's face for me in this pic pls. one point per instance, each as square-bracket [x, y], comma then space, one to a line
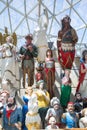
[49, 54]
[52, 120]
[30, 91]
[66, 20]
[9, 39]
[28, 40]
[78, 96]
[71, 108]
[86, 57]
[39, 76]
[56, 106]
[67, 72]
[10, 100]
[4, 97]
[41, 86]
[3, 100]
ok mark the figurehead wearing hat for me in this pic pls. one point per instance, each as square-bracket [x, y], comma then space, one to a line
[54, 101]
[29, 36]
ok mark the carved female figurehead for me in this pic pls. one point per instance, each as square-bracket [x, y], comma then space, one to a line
[9, 39]
[49, 53]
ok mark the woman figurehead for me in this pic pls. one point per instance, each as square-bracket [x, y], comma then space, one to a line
[9, 39]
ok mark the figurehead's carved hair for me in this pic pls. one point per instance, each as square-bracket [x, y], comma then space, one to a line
[83, 54]
[66, 19]
[29, 36]
[49, 50]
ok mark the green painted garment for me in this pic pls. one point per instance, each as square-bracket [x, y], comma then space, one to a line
[24, 51]
[65, 95]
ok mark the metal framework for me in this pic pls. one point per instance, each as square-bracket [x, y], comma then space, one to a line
[53, 15]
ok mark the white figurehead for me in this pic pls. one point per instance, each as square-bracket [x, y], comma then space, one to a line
[40, 39]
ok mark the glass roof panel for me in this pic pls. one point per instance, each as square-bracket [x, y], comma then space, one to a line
[85, 38]
[18, 4]
[2, 6]
[4, 20]
[22, 17]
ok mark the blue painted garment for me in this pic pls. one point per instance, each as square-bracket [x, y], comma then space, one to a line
[24, 111]
[70, 120]
[15, 117]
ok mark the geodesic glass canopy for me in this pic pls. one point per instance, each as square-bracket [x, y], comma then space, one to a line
[21, 17]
